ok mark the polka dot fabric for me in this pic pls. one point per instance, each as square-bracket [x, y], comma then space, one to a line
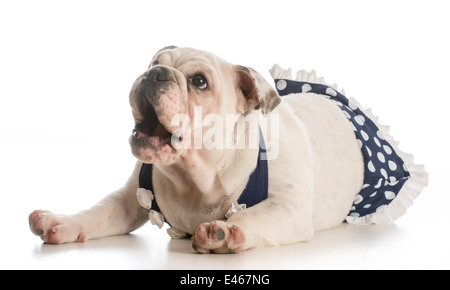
[385, 172]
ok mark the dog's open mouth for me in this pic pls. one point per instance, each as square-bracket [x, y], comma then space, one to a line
[151, 133]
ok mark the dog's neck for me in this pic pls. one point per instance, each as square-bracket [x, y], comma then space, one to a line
[227, 175]
[221, 172]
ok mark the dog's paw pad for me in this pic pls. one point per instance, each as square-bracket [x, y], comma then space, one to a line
[218, 237]
[54, 229]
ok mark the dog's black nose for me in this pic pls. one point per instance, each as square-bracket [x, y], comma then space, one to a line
[152, 86]
[157, 74]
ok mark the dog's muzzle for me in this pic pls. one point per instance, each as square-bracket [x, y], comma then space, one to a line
[150, 132]
[152, 86]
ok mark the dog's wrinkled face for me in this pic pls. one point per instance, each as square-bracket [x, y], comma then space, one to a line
[178, 82]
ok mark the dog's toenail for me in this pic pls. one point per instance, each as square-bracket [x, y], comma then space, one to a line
[220, 234]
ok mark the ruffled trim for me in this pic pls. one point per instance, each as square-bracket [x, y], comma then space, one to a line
[277, 72]
[418, 176]
[145, 197]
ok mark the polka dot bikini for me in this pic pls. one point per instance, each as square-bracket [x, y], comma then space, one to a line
[385, 171]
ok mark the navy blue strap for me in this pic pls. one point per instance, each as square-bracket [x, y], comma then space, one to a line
[146, 181]
[257, 188]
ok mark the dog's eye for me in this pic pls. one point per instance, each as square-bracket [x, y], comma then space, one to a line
[199, 81]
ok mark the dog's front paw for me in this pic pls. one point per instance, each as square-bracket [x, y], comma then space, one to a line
[55, 229]
[218, 237]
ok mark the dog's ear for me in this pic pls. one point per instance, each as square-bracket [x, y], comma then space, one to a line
[256, 90]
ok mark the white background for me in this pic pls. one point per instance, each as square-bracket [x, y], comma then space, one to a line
[66, 68]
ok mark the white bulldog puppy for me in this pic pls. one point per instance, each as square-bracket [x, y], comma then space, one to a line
[227, 161]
